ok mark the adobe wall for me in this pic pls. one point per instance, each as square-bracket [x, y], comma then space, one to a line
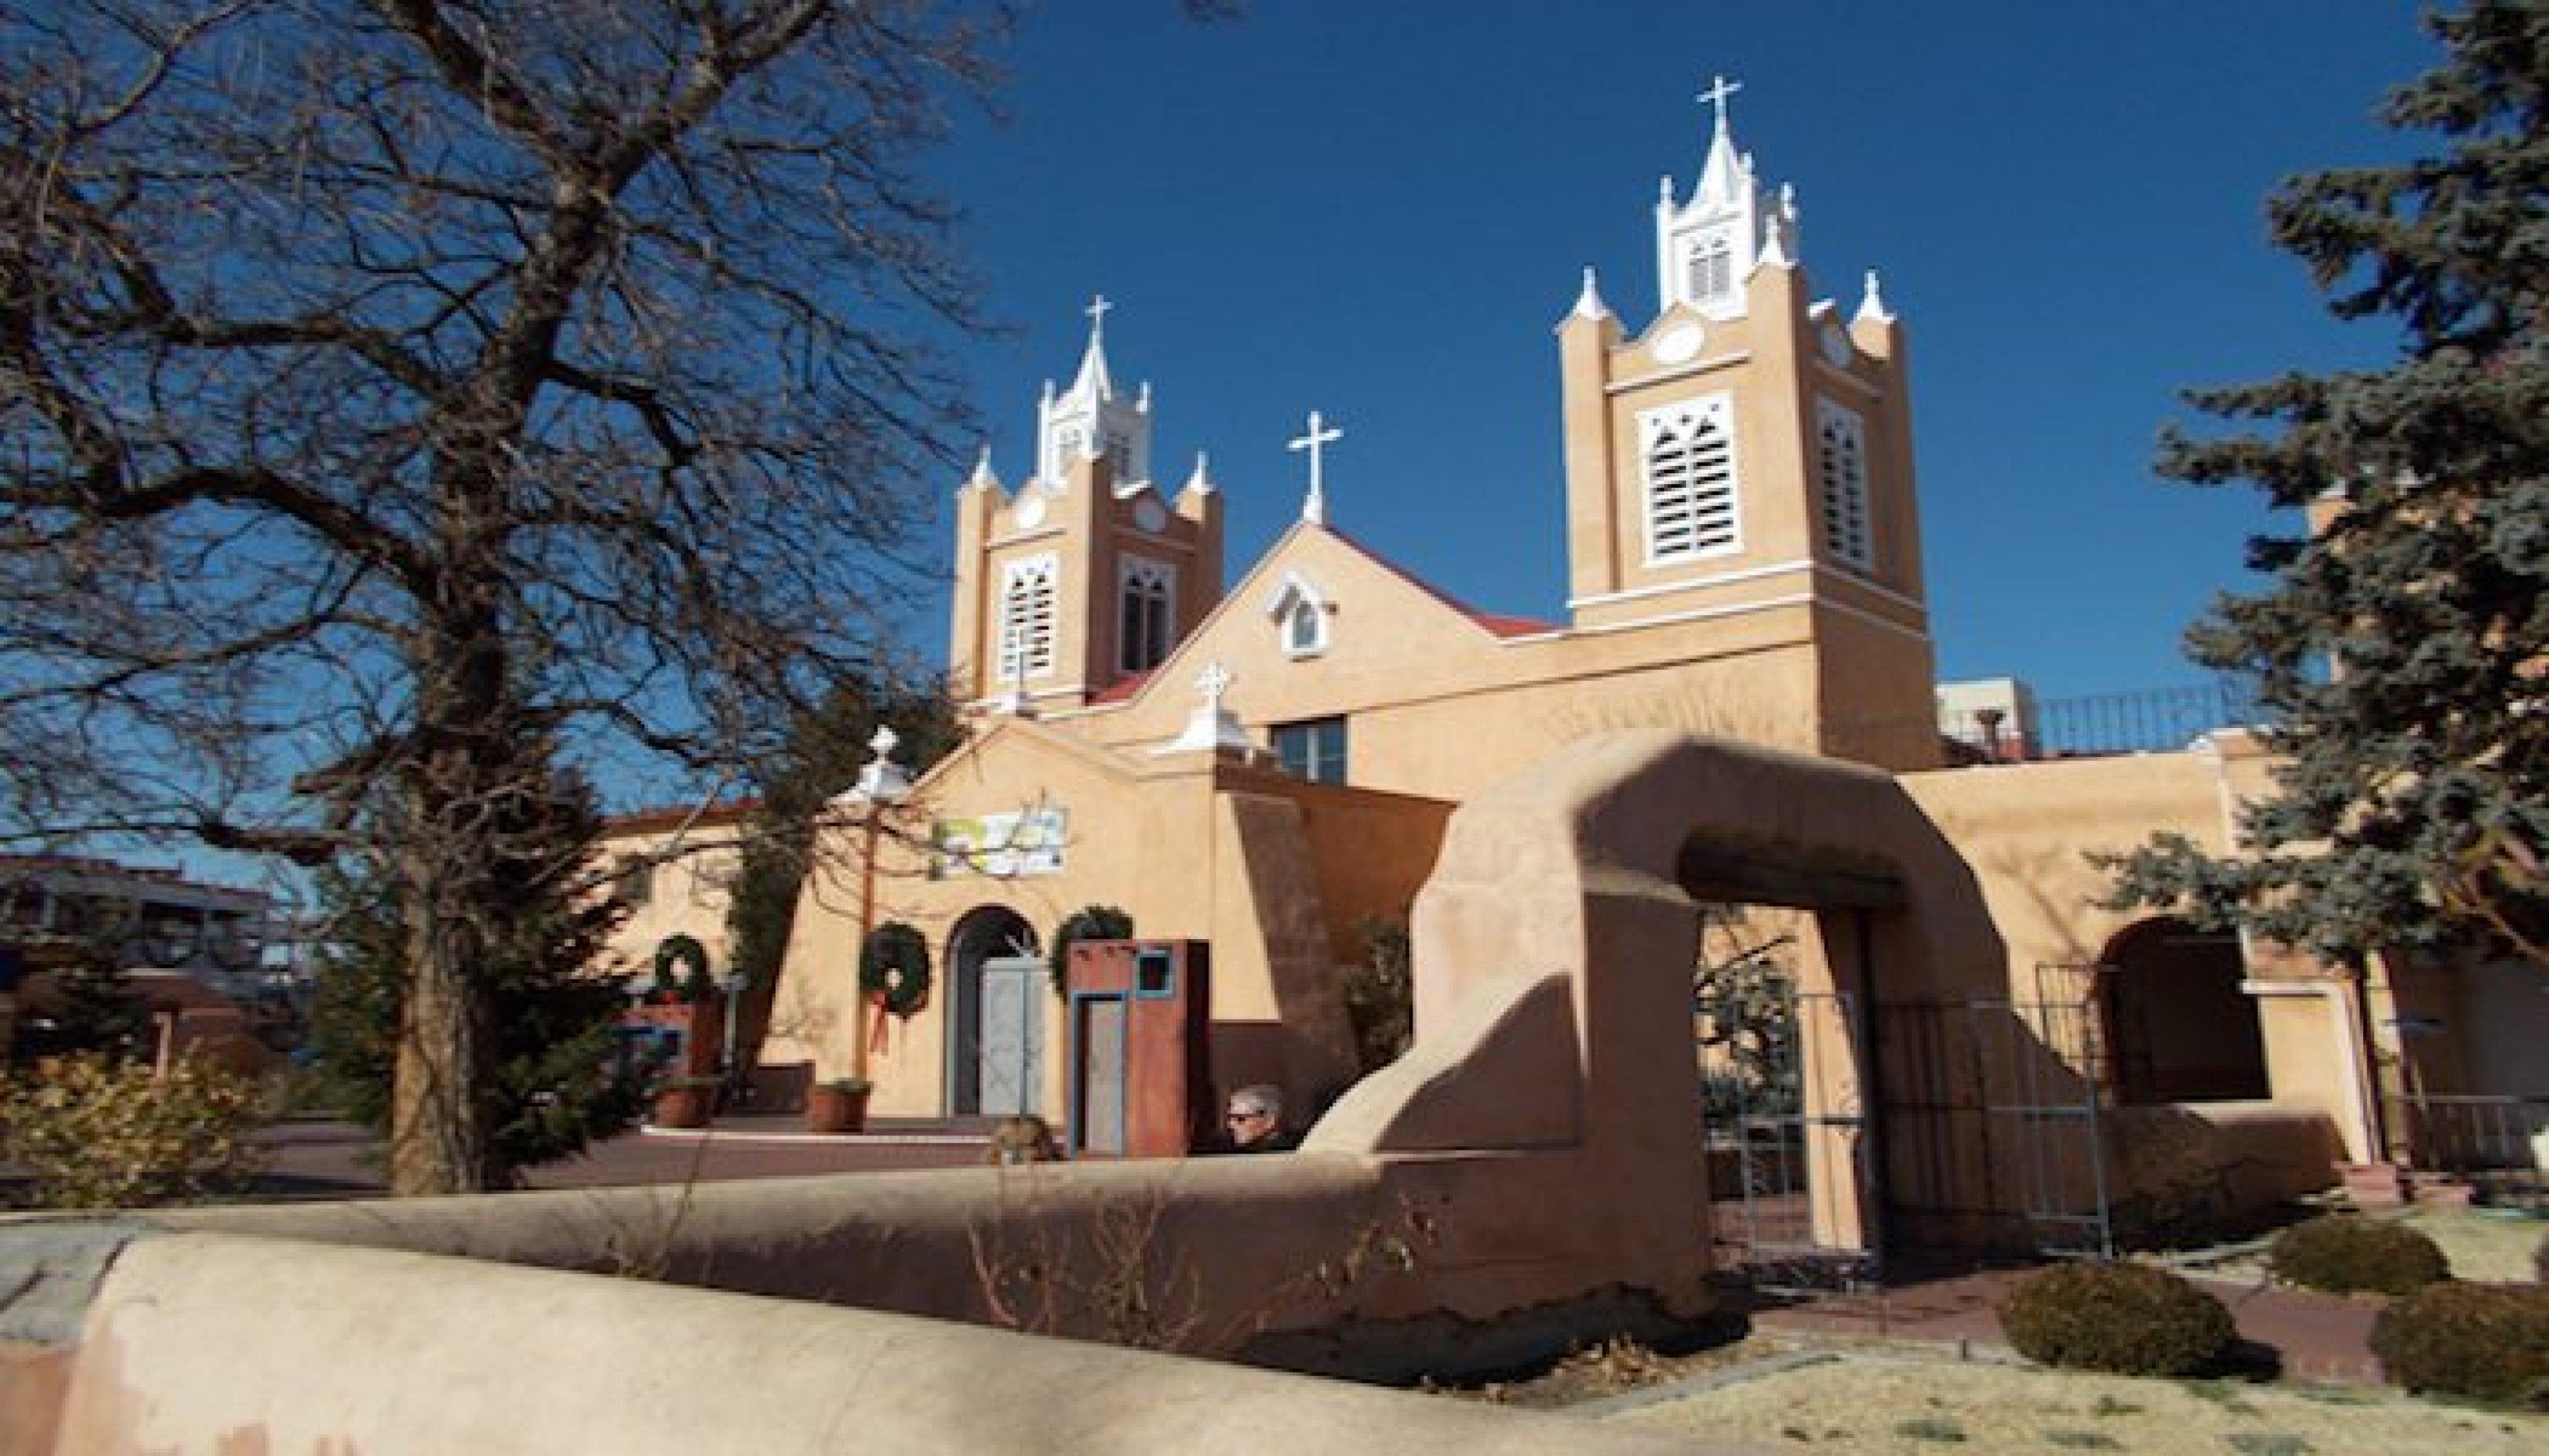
[343, 1350]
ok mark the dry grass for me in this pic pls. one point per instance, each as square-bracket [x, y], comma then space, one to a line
[1866, 1404]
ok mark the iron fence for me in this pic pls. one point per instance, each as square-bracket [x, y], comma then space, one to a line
[2031, 730]
[2496, 1144]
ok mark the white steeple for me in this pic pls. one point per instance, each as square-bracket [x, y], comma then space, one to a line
[1707, 247]
[1089, 418]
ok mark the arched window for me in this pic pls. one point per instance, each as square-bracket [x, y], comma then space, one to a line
[1688, 453]
[1844, 486]
[1709, 269]
[1147, 602]
[1027, 618]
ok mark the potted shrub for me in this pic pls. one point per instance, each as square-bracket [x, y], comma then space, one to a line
[685, 1102]
[837, 1106]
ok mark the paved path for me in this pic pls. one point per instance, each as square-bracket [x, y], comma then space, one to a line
[2321, 1338]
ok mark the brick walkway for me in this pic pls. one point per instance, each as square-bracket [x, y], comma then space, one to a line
[2318, 1337]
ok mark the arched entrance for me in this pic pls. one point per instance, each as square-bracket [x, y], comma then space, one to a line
[995, 974]
[2179, 1027]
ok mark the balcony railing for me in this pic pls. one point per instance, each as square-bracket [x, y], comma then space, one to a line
[2159, 720]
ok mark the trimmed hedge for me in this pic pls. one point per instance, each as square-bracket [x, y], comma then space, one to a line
[2489, 1342]
[2122, 1318]
[2343, 1253]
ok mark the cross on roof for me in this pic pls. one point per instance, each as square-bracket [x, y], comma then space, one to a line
[1214, 681]
[1719, 90]
[1321, 433]
[1097, 311]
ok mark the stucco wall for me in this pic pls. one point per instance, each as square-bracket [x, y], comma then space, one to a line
[346, 1350]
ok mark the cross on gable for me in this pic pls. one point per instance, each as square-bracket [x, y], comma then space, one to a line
[1315, 506]
[1097, 311]
[1213, 683]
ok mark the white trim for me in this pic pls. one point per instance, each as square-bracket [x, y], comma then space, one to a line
[1696, 366]
[1749, 574]
[2255, 987]
[1722, 578]
[1731, 609]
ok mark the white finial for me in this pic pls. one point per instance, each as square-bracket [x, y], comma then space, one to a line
[1200, 481]
[1719, 90]
[1096, 312]
[1314, 509]
[1588, 303]
[1143, 402]
[1871, 305]
[882, 780]
[982, 478]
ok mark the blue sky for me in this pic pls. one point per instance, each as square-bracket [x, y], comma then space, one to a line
[1380, 211]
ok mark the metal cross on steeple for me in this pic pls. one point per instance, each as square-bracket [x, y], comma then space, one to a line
[1315, 509]
[1097, 311]
[1719, 90]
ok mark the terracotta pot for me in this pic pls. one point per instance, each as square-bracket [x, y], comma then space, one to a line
[683, 1106]
[835, 1108]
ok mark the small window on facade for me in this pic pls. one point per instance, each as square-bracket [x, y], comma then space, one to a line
[1690, 459]
[1711, 268]
[1027, 618]
[1315, 750]
[1148, 599]
[1845, 487]
[1305, 628]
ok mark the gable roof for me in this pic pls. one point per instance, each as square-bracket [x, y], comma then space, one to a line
[1132, 687]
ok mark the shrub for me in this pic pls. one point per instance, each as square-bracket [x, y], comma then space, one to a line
[2345, 1252]
[92, 1133]
[2485, 1340]
[2122, 1318]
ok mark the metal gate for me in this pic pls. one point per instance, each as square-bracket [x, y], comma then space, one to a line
[1788, 1146]
[1993, 1121]
[1984, 1135]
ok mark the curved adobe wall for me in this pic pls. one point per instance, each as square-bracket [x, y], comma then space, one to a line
[1552, 953]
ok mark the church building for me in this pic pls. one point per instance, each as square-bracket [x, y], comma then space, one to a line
[1266, 764]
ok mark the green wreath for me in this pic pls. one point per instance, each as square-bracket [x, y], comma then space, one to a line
[894, 968]
[685, 951]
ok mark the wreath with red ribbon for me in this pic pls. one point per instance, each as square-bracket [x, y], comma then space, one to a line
[893, 968]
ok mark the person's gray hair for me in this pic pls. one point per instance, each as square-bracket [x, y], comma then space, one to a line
[1258, 1097]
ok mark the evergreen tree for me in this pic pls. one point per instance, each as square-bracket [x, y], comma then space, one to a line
[2401, 650]
[550, 1083]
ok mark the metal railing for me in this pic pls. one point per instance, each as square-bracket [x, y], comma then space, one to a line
[2158, 720]
[2499, 1145]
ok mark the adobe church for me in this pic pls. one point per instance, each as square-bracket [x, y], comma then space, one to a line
[1267, 764]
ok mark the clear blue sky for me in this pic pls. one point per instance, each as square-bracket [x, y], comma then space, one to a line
[1380, 211]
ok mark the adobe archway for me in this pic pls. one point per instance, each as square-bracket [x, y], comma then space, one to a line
[1553, 949]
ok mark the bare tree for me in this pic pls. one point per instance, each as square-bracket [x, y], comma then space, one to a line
[392, 390]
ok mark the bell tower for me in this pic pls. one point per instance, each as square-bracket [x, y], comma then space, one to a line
[1088, 573]
[1745, 461]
